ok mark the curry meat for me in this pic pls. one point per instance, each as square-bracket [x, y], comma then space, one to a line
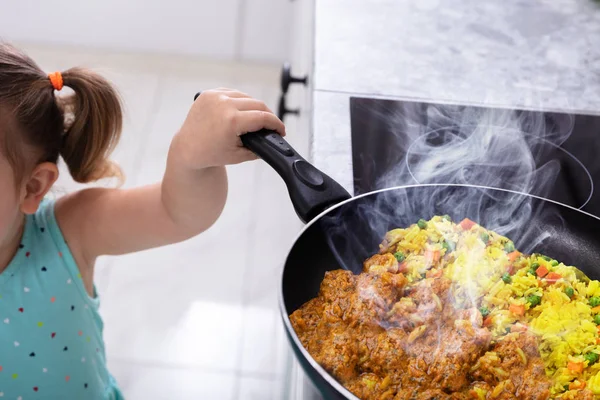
[383, 339]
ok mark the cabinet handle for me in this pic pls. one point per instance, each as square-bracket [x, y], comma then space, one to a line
[287, 79]
[282, 110]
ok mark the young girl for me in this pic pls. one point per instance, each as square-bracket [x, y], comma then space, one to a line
[51, 343]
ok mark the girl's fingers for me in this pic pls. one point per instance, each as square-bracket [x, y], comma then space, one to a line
[246, 155]
[242, 154]
[249, 104]
[255, 120]
[234, 94]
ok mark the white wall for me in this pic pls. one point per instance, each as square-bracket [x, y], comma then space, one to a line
[257, 30]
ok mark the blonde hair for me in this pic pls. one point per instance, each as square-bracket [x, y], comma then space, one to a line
[83, 127]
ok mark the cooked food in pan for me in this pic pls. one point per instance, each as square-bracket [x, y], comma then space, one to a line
[454, 311]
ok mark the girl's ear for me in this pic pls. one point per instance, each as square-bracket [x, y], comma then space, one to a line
[35, 188]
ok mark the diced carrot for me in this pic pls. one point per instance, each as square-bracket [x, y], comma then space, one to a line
[552, 277]
[518, 328]
[517, 309]
[403, 267]
[510, 269]
[513, 256]
[597, 340]
[541, 271]
[575, 366]
[432, 257]
[487, 321]
[466, 224]
[596, 309]
[577, 385]
[433, 273]
[598, 328]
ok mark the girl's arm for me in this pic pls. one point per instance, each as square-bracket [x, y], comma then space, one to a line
[190, 197]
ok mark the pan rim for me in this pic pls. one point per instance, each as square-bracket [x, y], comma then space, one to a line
[286, 319]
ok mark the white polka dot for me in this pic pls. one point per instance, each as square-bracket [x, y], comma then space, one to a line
[1, 394]
[17, 344]
[82, 359]
[69, 281]
[6, 321]
[26, 289]
[20, 398]
[44, 370]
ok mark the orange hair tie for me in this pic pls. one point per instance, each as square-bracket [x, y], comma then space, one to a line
[56, 79]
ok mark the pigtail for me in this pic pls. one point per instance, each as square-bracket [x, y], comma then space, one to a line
[93, 123]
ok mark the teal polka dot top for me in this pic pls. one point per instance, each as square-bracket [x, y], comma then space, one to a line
[51, 343]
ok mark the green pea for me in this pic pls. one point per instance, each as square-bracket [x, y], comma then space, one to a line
[449, 246]
[535, 266]
[509, 247]
[554, 263]
[531, 271]
[569, 291]
[546, 258]
[591, 358]
[447, 218]
[422, 224]
[566, 387]
[595, 301]
[597, 319]
[485, 238]
[399, 256]
[534, 300]
[506, 278]
[484, 311]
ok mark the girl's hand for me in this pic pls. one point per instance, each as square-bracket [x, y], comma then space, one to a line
[210, 135]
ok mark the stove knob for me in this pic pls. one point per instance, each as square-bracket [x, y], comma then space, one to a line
[283, 110]
[287, 79]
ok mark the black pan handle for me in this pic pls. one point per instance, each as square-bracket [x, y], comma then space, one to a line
[311, 191]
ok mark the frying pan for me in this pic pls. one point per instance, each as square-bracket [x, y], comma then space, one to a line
[342, 231]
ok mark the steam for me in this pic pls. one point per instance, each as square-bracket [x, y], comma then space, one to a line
[449, 144]
[486, 147]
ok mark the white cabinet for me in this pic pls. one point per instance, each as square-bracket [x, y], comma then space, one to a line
[257, 30]
[266, 30]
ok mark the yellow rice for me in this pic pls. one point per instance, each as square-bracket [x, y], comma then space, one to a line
[564, 325]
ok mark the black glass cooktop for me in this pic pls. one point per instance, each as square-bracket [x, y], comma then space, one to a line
[549, 154]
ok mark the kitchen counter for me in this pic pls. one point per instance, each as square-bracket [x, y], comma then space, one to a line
[542, 54]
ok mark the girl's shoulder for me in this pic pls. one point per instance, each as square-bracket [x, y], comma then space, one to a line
[44, 230]
[44, 223]
[69, 214]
